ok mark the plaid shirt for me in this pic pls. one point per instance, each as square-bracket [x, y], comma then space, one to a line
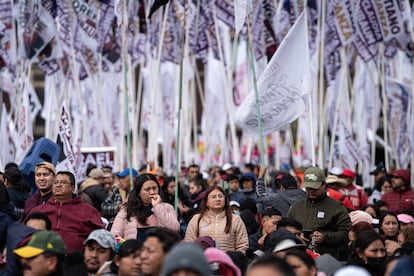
[109, 208]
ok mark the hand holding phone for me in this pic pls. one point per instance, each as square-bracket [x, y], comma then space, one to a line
[307, 234]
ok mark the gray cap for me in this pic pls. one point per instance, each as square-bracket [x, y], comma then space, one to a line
[186, 256]
[103, 237]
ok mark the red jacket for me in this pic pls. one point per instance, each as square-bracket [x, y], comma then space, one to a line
[399, 200]
[340, 197]
[72, 220]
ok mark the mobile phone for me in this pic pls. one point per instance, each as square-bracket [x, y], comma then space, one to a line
[307, 233]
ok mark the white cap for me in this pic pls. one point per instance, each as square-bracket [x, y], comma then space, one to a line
[336, 171]
[226, 167]
[234, 203]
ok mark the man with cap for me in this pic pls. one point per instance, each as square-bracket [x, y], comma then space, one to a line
[113, 203]
[44, 176]
[326, 218]
[282, 199]
[378, 172]
[43, 255]
[235, 192]
[92, 190]
[402, 196]
[247, 182]
[333, 185]
[99, 248]
[355, 193]
[281, 241]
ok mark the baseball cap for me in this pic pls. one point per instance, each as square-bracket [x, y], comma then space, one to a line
[334, 179]
[404, 218]
[40, 242]
[336, 171]
[348, 173]
[226, 167]
[103, 237]
[46, 165]
[313, 177]
[234, 203]
[96, 173]
[379, 168]
[126, 172]
[402, 173]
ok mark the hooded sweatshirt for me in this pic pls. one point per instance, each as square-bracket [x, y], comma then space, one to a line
[281, 200]
[402, 199]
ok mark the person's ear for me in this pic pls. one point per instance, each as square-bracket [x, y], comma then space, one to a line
[52, 263]
[360, 254]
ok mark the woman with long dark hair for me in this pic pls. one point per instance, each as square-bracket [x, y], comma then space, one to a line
[144, 210]
[215, 219]
[7, 215]
[369, 252]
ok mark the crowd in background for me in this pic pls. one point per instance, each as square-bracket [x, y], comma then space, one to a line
[225, 221]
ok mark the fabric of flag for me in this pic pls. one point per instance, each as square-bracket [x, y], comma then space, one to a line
[281, 86]
[24, 127]
[7, 150]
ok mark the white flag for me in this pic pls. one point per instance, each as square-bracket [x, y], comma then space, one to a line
[7, 149]
[281, 86]
[241, 8]
[25, 129]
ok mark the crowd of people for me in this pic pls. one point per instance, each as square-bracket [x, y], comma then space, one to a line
[226, 221]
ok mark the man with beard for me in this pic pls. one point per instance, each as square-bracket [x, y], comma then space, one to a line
[99, 248]
[44, 176]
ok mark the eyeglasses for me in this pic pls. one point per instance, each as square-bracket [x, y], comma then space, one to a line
[63, 182]
[216, 197]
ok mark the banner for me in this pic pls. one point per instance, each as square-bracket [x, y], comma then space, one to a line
[281, 86]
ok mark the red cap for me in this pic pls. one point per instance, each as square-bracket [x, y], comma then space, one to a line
[348, 173]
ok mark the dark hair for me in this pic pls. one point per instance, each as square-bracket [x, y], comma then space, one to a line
[127, 247]
[250, 204]
[135, 206]
[11, 165]
[269, 212]
[227, 209]
[166, 236]
[171, 198]
[4, 199]
[90, 167]
[239, 259]
[40, 216]
[303, 256]
[193, 166]
[15, 178]
[273, 262]
[373, 206]
[72, 179]
[381, 220]
[364, 239]
[249, 220]
[288, 182]
[199, 182]
[285, 222]
[381, 182]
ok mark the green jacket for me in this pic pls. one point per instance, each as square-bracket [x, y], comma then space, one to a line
[327, 216]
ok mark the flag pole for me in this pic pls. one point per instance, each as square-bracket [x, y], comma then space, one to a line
[180, 95]
[126, 98]
[259, 122]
